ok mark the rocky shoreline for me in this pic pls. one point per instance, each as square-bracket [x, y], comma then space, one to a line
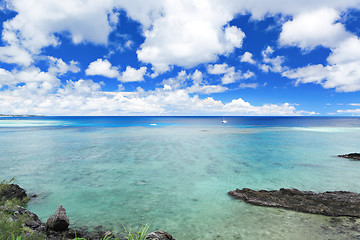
[336, 204]
[57, 225]
[352, 156]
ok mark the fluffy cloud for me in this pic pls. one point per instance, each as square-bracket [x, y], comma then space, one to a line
[102, 68]
[247, 57]
[342, 72]
[42, 93]
[230, 75]
[58, 66]
[321, 27]
[202, 87]
[183, 33]
[342, 77]
[79, 88]
[273, 64]
[354, 112]
[30, 82]
[218, 68]
[15, 55]
[309, 74]
[191, 84]
[261, 8]
[346, 51]
[189, 33]
[310, 29]
[237, 106]
[177, 33]
[37, 21]
[133, 75]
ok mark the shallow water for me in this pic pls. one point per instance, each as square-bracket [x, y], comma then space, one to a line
[175, 175]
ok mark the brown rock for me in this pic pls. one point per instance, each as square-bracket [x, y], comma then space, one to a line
[159, 235]
[11, 191]
[59, 221]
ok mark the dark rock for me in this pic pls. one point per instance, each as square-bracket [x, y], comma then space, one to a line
[159, 235]
[354, 156]
[30, 219]
[338, 203]
[59, 221]
[33, 222]
[10, 191]
[33, 195]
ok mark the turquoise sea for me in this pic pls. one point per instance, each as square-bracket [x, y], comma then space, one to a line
[174, 172]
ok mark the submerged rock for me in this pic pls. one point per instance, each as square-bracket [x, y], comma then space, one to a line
[59, 221]
[159, 235]
[338, 203]
[354, 156]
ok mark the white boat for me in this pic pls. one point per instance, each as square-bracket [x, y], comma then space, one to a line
[223, 120]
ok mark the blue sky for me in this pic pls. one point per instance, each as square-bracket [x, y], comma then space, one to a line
[185, 57]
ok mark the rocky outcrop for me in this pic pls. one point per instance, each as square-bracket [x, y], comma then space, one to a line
[338, 203]
[353, 156]
[37, 228]
[30, 219]
[57, 226]
[11, 191]
[159, 235]
[59, 221]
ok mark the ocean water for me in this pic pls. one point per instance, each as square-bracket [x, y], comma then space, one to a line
[174, 172]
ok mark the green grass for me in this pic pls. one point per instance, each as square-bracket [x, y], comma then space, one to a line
[139, 235]
[16, 238]
[107, 237]
[12, 228]
[4, 184]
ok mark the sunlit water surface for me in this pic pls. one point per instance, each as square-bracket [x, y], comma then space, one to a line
[175, 175]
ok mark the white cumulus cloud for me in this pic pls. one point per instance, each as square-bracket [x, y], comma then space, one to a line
[189, 33]
[247, 57]
[102, 68]
[132, 74]
[229, 73]
[57, 65]
[310, 29]
[341, 73]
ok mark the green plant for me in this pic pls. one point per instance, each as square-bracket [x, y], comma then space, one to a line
[12, 226]
[139, 235]
[9, 228]
[76, 238]
[14, 229]
[15, 238]
[4, 185]
[107, 237]
[6, 182]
